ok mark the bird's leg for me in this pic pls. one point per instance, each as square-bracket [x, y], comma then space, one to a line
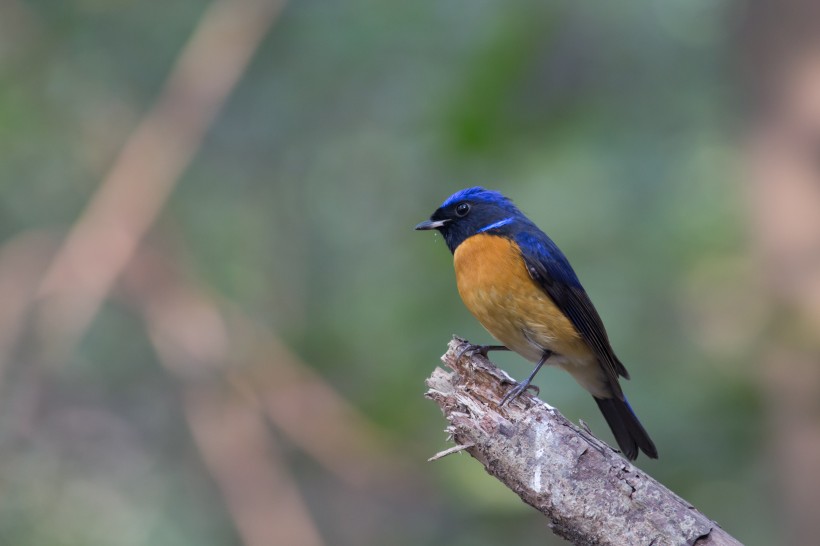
[514, 392]
[480, 349]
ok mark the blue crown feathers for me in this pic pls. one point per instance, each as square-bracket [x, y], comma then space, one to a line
[477, 194]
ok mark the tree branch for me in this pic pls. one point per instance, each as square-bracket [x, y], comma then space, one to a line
[591, 495]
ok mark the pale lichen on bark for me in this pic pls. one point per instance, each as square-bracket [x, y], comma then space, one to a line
[589, 492]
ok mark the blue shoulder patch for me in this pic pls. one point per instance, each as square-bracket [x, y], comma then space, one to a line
[537, 247]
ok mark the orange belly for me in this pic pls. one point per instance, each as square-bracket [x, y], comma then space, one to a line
[497, 289]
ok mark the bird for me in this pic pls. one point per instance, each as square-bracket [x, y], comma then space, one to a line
[519, 285]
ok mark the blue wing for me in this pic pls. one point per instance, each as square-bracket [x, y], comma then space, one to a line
[549, 267]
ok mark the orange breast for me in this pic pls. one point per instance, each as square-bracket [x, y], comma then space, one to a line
[495, 286]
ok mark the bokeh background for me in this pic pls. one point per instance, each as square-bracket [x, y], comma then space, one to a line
[216, 320]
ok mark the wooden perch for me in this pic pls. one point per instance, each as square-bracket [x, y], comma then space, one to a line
[589, 492]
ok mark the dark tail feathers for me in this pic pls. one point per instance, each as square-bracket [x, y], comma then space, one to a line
[628, 431]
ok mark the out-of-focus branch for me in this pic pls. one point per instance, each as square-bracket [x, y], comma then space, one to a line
[238, 448]
[196, 338]
[193, 343]
[784, 196]
[591, 495]
[22, 260]
[143, 175]
[314, 416]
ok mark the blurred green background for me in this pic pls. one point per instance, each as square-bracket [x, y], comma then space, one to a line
[610, 125]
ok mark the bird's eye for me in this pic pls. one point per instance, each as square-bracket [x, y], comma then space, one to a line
[462, 209]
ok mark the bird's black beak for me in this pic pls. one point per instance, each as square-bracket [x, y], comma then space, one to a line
[431, 224]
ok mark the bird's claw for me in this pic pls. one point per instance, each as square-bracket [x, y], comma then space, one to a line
[470, 350]
[536, 390]
[466, 348]
[516, 391]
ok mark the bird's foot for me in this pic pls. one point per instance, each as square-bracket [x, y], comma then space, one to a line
[482, 350]
[516, 391]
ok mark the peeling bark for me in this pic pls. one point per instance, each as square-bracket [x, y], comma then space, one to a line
[589, 492]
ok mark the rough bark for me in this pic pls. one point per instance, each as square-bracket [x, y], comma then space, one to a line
[589, 492]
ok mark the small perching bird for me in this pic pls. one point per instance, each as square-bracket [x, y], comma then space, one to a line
[522, 289]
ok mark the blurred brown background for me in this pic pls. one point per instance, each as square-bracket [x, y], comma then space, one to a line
[216, 320]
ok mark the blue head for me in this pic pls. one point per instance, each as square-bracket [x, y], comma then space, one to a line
[472, 211]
